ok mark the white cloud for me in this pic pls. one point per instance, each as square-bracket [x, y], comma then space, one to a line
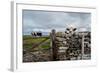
[45, 21]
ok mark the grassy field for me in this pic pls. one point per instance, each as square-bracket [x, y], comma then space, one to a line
[37, 43]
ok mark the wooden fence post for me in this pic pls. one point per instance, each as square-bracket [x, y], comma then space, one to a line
[54, 47]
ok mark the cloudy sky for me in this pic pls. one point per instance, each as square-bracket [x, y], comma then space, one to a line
[44, 21]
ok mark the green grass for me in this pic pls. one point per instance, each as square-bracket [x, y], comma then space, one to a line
[27, 37]
[46, 45]
[28, 42]
[33, 41]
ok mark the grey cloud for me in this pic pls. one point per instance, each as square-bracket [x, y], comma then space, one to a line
[58, 20]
